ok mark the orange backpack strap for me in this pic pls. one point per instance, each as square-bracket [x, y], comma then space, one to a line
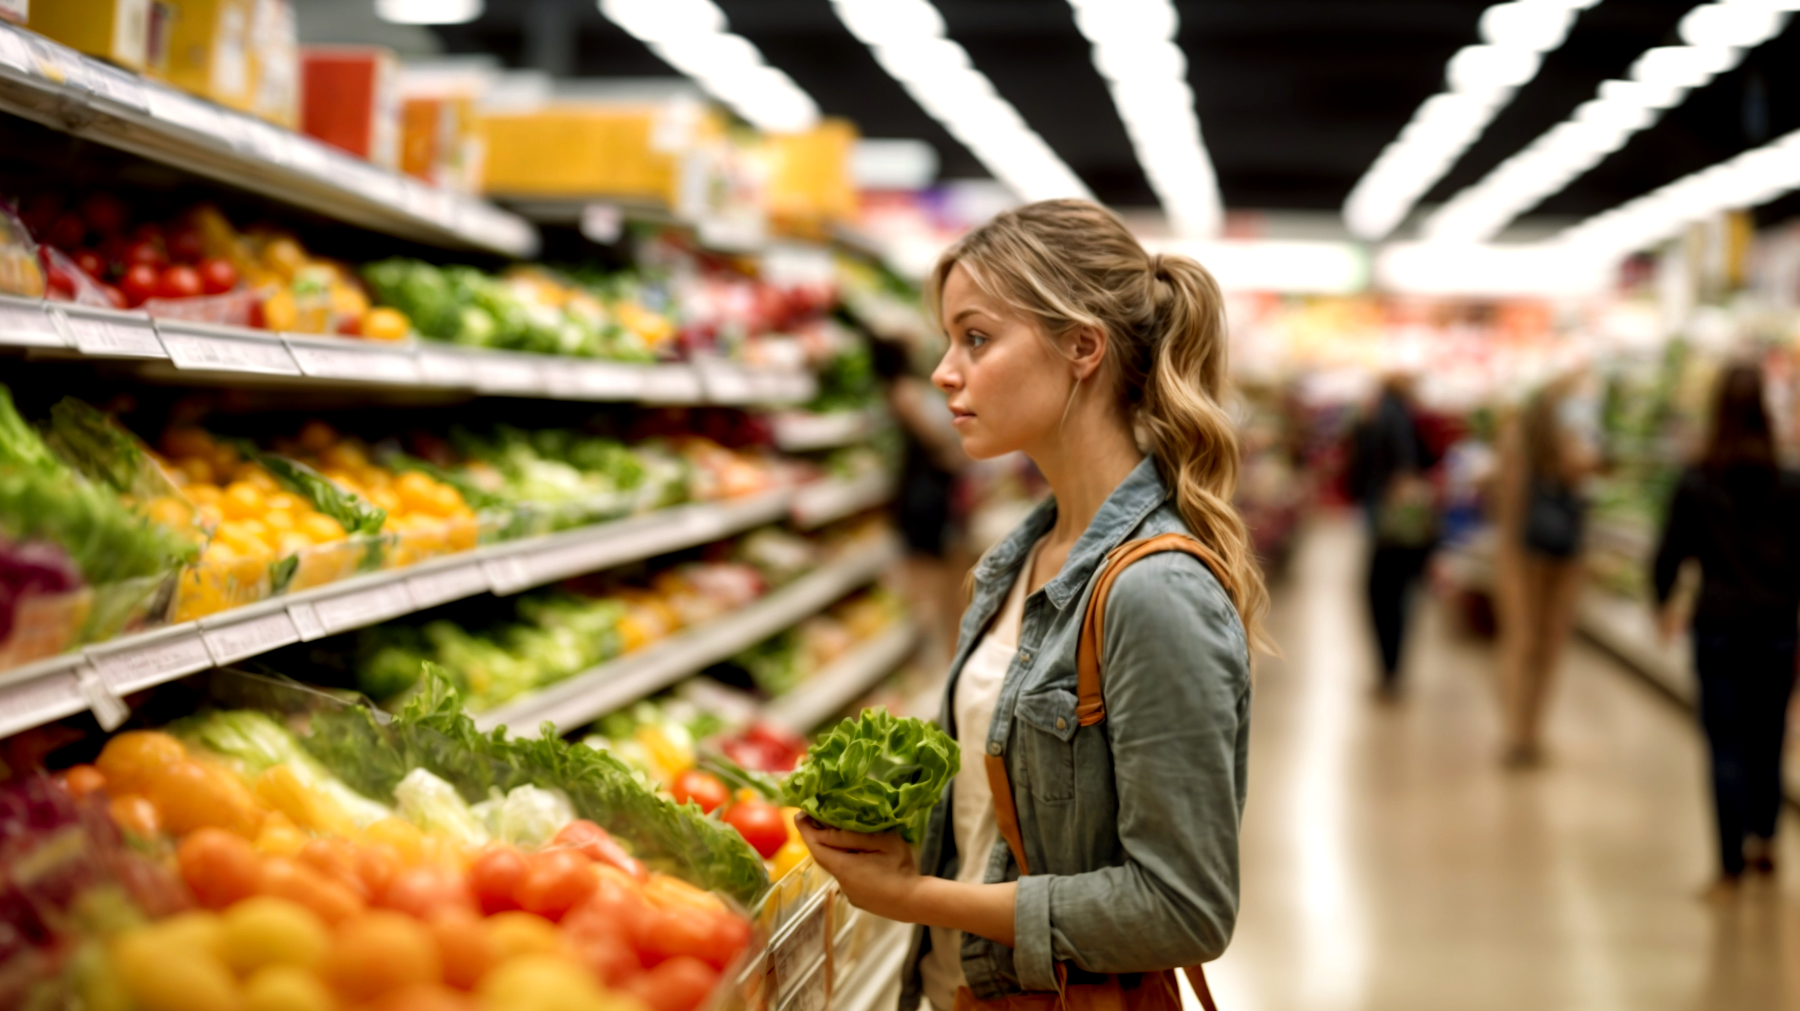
[1091, 705]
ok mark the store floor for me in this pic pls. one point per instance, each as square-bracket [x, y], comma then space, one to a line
[1389, 863]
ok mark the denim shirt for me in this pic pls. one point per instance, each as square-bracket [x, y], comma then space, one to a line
[1130, 826]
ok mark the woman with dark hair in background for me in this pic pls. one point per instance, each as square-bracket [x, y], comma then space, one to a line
[1540, 519]
[1736, 514]
[1389, 461]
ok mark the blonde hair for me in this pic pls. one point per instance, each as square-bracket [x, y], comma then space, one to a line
[1071, 263]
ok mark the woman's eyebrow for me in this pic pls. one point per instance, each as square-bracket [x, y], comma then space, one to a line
[972, 311]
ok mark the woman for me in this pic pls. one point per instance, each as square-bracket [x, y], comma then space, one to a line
[1540, 522]
[1735, 514]
[1389, 460]
[1072, 345]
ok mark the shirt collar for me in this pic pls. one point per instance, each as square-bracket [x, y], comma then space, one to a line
[1124, 510]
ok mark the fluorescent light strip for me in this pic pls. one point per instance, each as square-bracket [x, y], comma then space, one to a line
[1135, 51]
[1482, 80]
[1716, 36]
[691, 36]
[907, 38]
[1755, 177]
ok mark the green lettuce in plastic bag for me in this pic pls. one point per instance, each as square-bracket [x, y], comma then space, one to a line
[875, 772]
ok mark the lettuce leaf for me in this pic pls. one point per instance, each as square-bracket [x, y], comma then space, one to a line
[875, 772]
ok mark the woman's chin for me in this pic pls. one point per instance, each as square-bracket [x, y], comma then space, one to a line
[975, 447]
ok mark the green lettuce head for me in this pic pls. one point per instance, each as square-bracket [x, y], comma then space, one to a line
[875, 772]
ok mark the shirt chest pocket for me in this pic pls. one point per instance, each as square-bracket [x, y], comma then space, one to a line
[1046, 737]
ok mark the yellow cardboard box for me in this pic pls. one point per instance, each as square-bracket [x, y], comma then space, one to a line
[211, 52]
[116, 30]
[576, 151]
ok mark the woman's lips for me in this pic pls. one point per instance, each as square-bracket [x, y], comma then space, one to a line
[958, 416]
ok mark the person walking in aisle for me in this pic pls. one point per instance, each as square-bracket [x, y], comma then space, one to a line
[1738, 515]
[1125, 727]
[1540, 521]
[1389, 465]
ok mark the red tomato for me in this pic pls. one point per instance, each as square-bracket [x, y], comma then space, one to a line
[607, 954]
[68, 231]
[186, 245]
[90, 263]
[424, 891]
[731, 935]
[138, 284]
[179, 281]
[61, 282]
[104, 213]
[219, 867]
[761, 825]
[217, 275]
[143, 251]
[702, 788]
[557, 882]
[496, 876]
[666, 933]
[613, 908]
[593, 842]
[464, 944]
[679, 984]
[115, 297]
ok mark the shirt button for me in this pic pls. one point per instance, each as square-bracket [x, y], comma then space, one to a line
[994, 748]
[1062, 724]
[1024, 656]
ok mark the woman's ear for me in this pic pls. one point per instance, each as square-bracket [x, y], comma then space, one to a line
[1086, 350]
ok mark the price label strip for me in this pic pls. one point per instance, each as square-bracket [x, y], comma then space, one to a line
[24, 323]
[363, 607]
[508, 575]
[207, 352]
[128, 667]
[671, 384]
[177, 109]
[40, 700]
[113, 335]
[504, 373]
[117, 86]
[358, 364]
[726, 384]
[109, 710]
[445, 585]
[611, 381]
[306, 621]
[14, 55]
[447, 368]
[798, 957]
[234, 641]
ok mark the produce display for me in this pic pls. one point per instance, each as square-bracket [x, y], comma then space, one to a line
[875, 772]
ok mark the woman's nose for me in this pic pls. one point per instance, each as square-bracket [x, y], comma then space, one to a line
[944, 377]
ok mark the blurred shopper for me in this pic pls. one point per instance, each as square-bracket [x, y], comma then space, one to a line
[1738, 515]
[924, 508]
[1114, 862]
[1541, 520]
[1389, 473]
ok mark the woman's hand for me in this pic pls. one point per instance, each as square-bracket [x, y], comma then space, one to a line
[875, 870]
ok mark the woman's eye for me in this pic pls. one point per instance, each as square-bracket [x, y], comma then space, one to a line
[975, 341]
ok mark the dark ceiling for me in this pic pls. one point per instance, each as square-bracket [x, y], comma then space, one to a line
[1295, 97]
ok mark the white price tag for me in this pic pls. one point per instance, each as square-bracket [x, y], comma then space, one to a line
[117, 86]
[367, 181]
[138, 665]
[508, 575]
[40, 700]
[500, 372]
[306, 621]
[49, 60]
[13, 53]
[727, 385]
[363, 607]
[109, 710]
[562, 380]
[309, 157]
[670, 384]
[611, 381]
[446, 368]
[232, 642]
[25, 324]
[445, 585]
[219, 353]
[113, 335]
[266, 142]
[178, 109]
[368, 365]
[798, 950]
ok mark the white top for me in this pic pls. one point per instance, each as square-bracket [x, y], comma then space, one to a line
[972, 819]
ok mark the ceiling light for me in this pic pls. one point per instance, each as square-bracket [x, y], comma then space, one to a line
[907, 39]
[691, 36]
[1481, 79]
[1105, 22]
[1683, 66]
[1538, 27]
[1731, 25]
[1650, 96]
[1286, 266]
[428, 12]
[1428, 268]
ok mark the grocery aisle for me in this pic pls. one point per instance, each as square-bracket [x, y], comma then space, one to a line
[1389, 863]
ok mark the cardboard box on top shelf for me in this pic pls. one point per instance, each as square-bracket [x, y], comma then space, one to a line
[439, 139]
[121, 31]
[210, 51]
[275, 62]
[809, 182]
[349, 99]
[576, 150]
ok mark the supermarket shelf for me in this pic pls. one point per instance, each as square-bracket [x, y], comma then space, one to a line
[874, 983]
[95, 677]
[199, 352]
[828, 501]
[602, 689]
[805, 431]
[843, 681]
[65, 90]
[1627, 629]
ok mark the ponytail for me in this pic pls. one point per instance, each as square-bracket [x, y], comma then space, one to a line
[1071, 263]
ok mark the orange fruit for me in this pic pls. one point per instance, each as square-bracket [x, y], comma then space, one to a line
[130, 760]
[379, 952]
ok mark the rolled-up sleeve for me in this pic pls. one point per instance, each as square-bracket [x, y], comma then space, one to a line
[1177, 688]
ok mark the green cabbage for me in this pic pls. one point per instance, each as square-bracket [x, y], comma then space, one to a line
[875, 772]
